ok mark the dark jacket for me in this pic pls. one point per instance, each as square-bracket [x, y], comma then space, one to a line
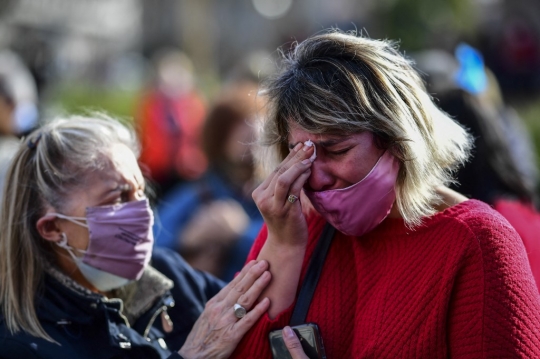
[88, 325]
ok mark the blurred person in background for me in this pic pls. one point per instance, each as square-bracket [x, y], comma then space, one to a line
[9, 143]
[512, 51]
[359, 157]
[502, 170]
[170, 119]
[213, 221]
[78, 278]
[18, 107]
[23, 92]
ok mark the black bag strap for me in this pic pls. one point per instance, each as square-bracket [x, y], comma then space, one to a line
[312, 276]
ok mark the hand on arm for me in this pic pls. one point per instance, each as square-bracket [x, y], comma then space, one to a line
[218, 331]
[287, 239]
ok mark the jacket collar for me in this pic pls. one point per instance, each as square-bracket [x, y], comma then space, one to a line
[68, 300]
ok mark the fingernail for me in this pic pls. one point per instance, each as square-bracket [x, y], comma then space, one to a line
[261, 264]
[298, 146]
[288, 332]
[306, 148]
[306, 161]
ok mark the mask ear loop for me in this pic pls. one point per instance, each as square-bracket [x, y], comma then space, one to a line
[76, 220]
[63, 243]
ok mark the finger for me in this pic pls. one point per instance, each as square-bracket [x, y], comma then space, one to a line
[244, 324]
[245, 283]
[298, 184]
[285, 184]
[277, 170]
[293, 344]
[247, 299]
[292, 160]
[225, 291]
[299, 153]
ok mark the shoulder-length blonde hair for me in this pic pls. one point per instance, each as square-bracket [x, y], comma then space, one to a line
[49, 165]
[342, 83]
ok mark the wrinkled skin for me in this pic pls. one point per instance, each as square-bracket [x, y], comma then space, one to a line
[217, 332]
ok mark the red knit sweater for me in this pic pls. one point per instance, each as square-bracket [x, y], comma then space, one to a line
[459, 286]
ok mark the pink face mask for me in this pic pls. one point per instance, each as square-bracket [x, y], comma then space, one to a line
[121, 239]
[358, 209]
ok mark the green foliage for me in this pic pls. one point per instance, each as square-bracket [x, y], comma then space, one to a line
[78, 99]
[421, 23]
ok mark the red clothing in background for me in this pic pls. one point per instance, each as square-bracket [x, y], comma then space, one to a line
[170, 131]
[526, 221]
[460, 286]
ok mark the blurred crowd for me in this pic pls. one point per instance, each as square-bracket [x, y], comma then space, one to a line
[197, 152]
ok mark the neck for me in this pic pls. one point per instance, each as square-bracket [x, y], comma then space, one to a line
[394, 212]
[448, 198]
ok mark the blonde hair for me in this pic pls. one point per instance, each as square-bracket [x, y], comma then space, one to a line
[49, 164]
[341, 83]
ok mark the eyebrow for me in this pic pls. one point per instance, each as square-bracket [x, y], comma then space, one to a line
[327, 143]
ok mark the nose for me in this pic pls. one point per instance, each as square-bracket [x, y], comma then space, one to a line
[321, 179]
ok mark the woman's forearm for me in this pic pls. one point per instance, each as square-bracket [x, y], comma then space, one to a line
[285, 264]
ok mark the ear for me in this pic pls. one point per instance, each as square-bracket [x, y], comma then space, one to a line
[48, 228]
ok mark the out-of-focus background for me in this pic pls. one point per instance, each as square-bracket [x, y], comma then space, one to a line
[177, 69]
[98, 53]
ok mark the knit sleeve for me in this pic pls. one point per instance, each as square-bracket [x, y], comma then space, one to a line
[255, 343]
[494, 309]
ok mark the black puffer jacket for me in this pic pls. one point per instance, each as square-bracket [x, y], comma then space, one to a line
[89, 326]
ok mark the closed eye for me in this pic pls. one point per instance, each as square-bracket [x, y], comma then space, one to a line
[339, 152]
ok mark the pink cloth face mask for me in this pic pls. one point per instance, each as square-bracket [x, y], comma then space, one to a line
[358, 209]
[121, 238]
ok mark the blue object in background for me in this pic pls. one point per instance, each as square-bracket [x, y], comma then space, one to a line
[471, 75]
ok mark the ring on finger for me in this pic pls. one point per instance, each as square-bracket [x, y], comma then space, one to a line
[292, 198]
[239, 311]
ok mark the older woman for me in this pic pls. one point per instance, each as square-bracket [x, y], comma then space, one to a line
[414, 270]
[75, 247]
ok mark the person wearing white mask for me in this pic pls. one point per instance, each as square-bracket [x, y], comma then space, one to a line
[404, 267]
[79, 277]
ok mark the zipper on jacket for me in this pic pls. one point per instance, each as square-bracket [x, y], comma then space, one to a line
[120, 312]
[168, 302]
